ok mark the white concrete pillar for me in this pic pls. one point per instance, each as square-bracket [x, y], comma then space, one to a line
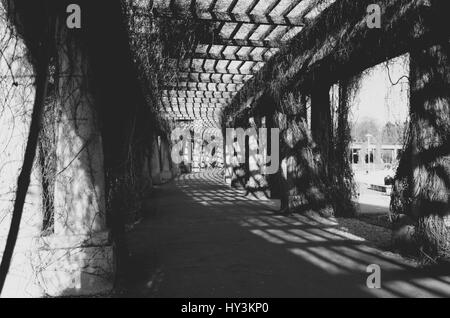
[14, 128]
[166, 173]
[257, 185]
[234, 161]
[155, 161]
[197, 150]
[146, 175]
[78, 257]
[228, 154]
[80, 180]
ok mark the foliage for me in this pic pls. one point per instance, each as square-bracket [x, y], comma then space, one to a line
[392, 133]
[160, 46]
[363, 127]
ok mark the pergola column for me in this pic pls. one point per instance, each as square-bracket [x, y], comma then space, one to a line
[321, 125]
[235, 170]
[430, 144]
[257, 185]
[294, 139]
[166, 173]
[228, 155]
[341, 172]
[321, 132]
[146, 175]
[197, 149]
[78, 256]
[155, 161]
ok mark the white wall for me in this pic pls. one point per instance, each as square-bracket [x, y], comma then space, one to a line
[16, 101]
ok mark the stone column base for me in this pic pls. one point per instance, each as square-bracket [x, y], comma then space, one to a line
[257, 187]
[296, 201]
[258, 194]
[166, 175]
[175, 170]
[75, 265]
[156, 179]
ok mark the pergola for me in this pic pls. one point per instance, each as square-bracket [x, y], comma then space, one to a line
[247, 33]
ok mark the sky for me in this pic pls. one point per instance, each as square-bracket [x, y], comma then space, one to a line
[377, 98]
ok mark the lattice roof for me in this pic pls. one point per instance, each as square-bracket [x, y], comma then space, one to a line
[247, 34]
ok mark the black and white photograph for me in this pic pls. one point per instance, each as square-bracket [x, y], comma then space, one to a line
[224, 155]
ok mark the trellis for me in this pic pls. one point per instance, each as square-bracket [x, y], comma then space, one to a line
[243, 36]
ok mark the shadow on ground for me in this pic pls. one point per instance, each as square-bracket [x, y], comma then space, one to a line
[200, 238]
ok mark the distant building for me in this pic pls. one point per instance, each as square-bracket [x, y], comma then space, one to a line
[362, 154]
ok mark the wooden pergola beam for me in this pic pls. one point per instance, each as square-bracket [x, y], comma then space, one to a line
[231, 57]
[196, 86]
[215, 78]
[201, 94]
[344, 45]
[219, 16]
[195, 100]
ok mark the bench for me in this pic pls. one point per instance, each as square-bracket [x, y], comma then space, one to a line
[381, 188]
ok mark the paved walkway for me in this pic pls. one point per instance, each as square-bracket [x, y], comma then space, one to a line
[201, 239]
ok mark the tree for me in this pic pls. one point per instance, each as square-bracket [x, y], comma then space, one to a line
[392, 133]
[362, 128]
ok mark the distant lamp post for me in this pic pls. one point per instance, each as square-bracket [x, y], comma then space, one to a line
[368, 136]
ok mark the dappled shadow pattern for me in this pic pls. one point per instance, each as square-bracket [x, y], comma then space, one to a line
[204, 239]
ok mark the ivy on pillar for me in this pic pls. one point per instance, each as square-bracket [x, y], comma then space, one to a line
[78, 256]
[422, 187]
[292, 124]
[155, 161]
[197, 149]
[166, 173]
[342, 173]
[321, 132]
[146, 174]
[257, 185]
[228, 154]
[235, 151]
